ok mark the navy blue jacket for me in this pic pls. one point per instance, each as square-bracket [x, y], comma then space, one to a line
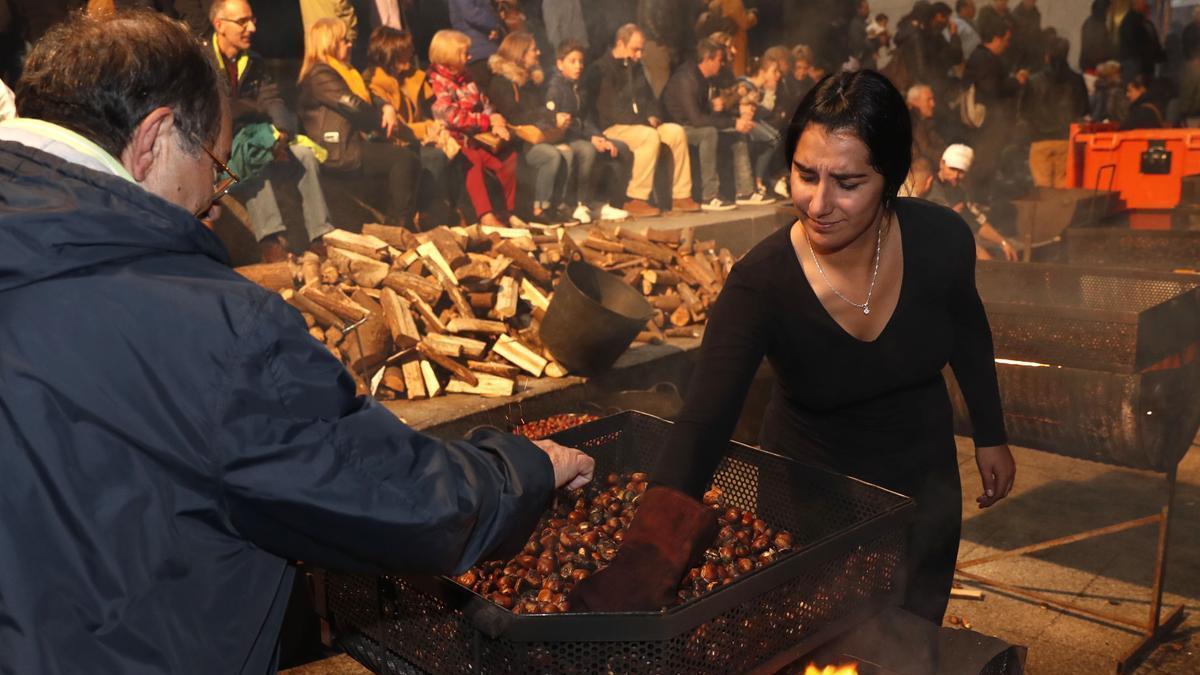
[171, 437]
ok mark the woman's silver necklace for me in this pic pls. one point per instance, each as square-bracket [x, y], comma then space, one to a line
[865, 306]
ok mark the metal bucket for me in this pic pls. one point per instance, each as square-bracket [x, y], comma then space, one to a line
[592, 319]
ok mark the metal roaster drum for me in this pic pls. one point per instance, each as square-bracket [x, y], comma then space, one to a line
[592, 319]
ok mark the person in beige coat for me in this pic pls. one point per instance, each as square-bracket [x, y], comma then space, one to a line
[312, 11]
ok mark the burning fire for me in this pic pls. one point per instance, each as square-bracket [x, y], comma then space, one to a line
[848, 669]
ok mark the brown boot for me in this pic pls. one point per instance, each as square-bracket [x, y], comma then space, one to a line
[640, 208]
[667, 536]
[685, 205]
[274, 248]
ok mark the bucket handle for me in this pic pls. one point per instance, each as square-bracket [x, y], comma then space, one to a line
[1107, 141]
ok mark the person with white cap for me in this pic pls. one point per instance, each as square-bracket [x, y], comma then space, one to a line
[949, 190]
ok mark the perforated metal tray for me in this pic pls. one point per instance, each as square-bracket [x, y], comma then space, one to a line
[1162, 250]
[850, 535]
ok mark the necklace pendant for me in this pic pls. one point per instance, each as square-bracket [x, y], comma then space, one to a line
[866, 310]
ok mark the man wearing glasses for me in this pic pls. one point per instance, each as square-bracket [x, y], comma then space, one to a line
[170, 435]
[262, 123]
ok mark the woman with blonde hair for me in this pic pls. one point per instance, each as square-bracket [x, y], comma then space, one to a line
[466, 113]
[337, 111]
[516, 93]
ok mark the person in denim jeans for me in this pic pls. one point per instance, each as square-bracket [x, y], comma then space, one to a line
[752, 168]
[585, 143]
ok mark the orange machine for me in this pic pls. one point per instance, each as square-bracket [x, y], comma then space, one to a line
[1145, 167]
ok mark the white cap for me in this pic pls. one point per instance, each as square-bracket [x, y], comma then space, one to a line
[959, 156]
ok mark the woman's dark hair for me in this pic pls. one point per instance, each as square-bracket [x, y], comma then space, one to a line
[867, 105]
[389, 46]
[99, 76]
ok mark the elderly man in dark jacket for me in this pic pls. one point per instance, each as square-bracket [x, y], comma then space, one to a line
[691, 102]
[256, 106]
[1140, 49]
[172, 436]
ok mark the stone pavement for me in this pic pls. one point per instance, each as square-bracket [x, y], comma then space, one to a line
[1057, 496]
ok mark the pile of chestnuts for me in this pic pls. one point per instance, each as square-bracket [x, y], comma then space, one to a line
[581, 532]
[543, 428]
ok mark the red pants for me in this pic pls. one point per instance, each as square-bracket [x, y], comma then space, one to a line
[503, 166]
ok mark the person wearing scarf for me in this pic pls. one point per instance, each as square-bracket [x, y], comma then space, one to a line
[338, 111]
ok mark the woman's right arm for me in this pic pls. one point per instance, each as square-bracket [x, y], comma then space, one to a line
[735, 341]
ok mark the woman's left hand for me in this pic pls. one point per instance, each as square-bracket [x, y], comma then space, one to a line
[390, 120]
[997, 470]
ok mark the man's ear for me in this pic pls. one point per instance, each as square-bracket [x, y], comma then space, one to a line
[148, 143]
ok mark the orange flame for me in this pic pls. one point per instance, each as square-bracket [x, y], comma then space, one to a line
[848, 669]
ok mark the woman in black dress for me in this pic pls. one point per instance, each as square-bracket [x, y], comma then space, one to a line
[858, 306]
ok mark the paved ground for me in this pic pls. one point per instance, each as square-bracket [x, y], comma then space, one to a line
[1057, 496]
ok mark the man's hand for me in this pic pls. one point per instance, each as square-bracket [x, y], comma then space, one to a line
[718, 104]
[997, 470]
[653, 121]
[572, 468]
[563, 120]
[953, 28]
[1022, 76]
[1010, 252]
[743, 125]
[981, 253]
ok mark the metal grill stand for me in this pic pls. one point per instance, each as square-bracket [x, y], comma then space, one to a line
[1128, 339]
[1154, 631]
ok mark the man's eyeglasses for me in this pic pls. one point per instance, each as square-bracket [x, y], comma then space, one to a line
[242, 22]
[224, 182]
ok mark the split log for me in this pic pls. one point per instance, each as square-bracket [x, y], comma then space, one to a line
[524, 262]
[414, 379]
[324, 317]
[330, 273]
[367, 302]
[453, 367]
[335, 301]
[631, 275]
[457, 298]
[505, 306]
[317, 333]
[520, 355]
[368, 345]
[365, 244]
[449, 350]
[486, 385]
[571, 250]
[393, 378]
[432, 386]
[534, 296]
[362, 270]
[276, 276]
[466, 346]
[334, 336]
[474, 271]
[662, 254]
[399, 237]
[683, 331]
[681, 316]
[525, 243]
[667, 303]
[624, 232]
[648, 337]
[666, 278]
[433, 258]
[504, 232]
[706, 245]
[494, 368]
[698, 270]
[693, 302]
[555, 369]
[482, 301]
[399, 320]
[310, 268]
[606, 245]
[430, 291]
[686, 240]
[428, 317]
[448, 246]
[663, 236]
[468, 325]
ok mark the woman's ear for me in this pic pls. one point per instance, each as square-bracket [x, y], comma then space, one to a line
[148, 143]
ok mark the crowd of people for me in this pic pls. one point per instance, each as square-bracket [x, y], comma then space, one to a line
[628, 109]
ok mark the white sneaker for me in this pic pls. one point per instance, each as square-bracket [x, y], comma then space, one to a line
[582, 214]
[757, 199]
[610, 212]
[781, 188]
[718, 204]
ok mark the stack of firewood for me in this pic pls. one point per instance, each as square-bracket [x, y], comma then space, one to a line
[457, 310]
[681, 277]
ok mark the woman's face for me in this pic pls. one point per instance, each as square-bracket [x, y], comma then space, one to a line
[342, 49]
[463, 54]
[834, 186]
[1133, 92]
[771, 76]
[530, 60]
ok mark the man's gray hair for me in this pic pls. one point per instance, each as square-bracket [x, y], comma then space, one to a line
[915, 91]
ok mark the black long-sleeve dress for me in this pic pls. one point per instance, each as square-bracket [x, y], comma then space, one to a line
[876, 410]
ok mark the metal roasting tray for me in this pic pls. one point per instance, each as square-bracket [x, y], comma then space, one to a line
[848, 565]
[1096, 318]
[1163, 250]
